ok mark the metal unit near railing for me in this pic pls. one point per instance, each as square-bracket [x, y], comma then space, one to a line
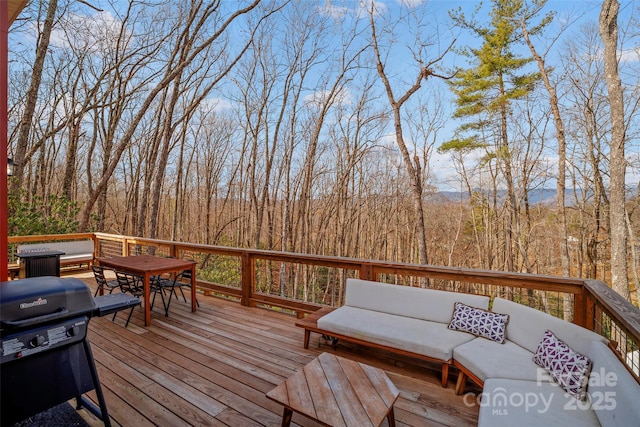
[14, 240]
[252, 277]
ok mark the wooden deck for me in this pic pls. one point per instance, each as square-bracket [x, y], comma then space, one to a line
[214, 367]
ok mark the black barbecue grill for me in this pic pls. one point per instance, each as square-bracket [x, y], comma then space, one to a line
[46, 356]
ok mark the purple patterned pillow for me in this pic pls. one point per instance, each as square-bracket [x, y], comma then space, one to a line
[479, 322]
[569, 368]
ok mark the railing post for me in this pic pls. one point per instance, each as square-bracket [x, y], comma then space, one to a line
[590, 313]
[125, 246]
[579, 308]
[248, 278]
[366, 272]
[4, 210]
[173, 251]
[96, 246]
[597, 320]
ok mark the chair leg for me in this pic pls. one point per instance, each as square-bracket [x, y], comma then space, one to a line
[164, 303]
[153, 300]
[182, 292]
[129, 317]
[185, 298]
[173, 292]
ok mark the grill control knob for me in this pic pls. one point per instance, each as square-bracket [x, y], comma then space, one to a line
[73, 331]
[37, 341]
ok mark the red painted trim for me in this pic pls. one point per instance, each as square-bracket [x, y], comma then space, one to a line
[4, 57]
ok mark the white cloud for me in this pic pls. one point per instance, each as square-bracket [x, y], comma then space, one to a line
[379, 8]
[97, 32]
[342, 98]
[333, 11]
[217, 105]
[630, 55]
[624, 55]
[363, 6]
[411, 3]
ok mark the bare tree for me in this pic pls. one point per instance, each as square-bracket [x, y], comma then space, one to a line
[584, 106]
[32, 94]
[617, 163]
[198, 19]
[560, 136]
[214, 135]
[414, 165]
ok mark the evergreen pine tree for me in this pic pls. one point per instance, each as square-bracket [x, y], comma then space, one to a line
[498, 76]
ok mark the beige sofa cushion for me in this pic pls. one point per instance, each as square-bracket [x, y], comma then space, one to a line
[614, 393]
[432, 339]
[406, 301]
[527, 326]
[489, 359]
[509, 403]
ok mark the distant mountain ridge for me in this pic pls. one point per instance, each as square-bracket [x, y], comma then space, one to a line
[536, 195]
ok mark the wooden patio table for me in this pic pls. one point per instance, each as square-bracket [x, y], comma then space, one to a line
[338, 392]
[147, 266]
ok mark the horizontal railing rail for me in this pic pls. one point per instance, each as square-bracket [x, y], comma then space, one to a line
[302, 283]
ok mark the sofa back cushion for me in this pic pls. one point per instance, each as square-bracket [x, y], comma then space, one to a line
[527, 326]
[612, 390]
[69, 248]
[419, 303]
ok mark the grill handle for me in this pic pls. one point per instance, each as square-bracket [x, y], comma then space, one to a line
[61, 312]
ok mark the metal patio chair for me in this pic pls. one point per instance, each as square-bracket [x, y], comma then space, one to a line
[131, 284]
[103, 283]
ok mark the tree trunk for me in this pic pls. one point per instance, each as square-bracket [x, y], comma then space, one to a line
[562, 154]
[170, 75]
[413, 165]
[617, 162]
[32, 96]
[562, 169]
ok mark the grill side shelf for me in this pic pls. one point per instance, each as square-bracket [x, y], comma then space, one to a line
[112, 303]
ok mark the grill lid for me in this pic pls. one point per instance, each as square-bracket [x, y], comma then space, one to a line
[37, 300]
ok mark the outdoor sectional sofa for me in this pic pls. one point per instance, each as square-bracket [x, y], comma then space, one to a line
[516, 391]
[412, 321]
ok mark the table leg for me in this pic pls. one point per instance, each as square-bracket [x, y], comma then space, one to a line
[193, 289]
[286, 417]
[307, 336]
[391, 418]
[147, 300]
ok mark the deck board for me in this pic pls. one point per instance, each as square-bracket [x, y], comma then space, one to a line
[214, 367]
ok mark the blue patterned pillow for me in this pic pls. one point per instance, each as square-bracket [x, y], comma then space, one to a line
[479, 322]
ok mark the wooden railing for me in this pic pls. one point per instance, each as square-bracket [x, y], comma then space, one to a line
[301, 283]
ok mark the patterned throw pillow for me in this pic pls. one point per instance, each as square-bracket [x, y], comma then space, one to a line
[479, 322]
[569, 368]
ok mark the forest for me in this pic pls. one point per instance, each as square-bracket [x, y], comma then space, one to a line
[407, 130]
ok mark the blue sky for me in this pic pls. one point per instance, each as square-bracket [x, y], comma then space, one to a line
[570, 14]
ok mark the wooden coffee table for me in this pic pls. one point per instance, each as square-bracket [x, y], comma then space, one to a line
[338, 392]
